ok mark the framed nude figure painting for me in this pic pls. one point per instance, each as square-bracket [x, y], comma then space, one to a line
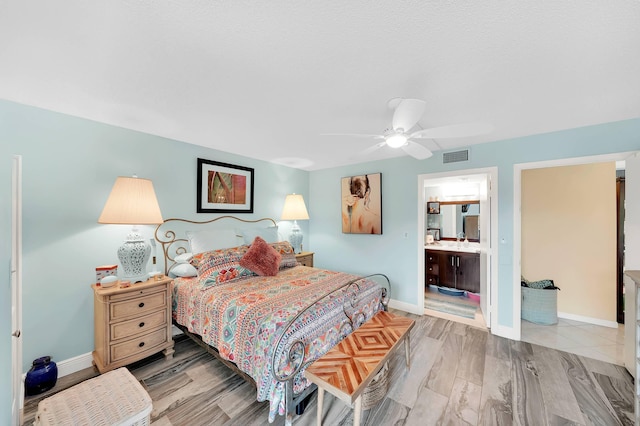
[362, 204]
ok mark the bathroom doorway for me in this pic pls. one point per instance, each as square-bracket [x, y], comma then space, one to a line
[457, 260]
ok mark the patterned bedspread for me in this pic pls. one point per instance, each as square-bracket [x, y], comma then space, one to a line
[243, 319]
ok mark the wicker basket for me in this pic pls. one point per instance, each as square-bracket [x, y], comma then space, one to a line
[540, 306]
[377, 389]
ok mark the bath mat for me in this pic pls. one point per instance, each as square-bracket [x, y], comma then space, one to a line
[460, 309]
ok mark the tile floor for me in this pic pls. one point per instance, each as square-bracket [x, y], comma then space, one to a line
[592, 341]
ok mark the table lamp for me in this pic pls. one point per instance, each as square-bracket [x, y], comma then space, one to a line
[294, 209]
[132, 202]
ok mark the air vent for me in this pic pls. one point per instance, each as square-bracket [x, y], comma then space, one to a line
[455, 156]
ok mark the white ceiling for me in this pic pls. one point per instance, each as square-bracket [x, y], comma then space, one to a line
[266, 79]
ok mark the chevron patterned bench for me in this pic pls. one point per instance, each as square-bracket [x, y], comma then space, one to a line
[347, 369]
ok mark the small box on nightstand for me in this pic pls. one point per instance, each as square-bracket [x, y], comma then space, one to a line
[105, 271]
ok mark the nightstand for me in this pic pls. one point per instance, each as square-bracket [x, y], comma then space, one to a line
[131, 323]
[305, 258]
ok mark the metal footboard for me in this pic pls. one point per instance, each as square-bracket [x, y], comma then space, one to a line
[294, 352]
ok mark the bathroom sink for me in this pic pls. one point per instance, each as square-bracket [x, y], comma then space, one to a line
[453, 247]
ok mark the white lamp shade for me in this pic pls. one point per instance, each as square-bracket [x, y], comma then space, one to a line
[132, 202]
[294, 208]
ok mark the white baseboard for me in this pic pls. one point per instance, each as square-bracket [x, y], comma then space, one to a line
[588, 320]
[75, 364]
[407, 307]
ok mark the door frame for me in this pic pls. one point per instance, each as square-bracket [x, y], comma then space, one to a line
[517, 218]
[16, 291]
[492, 249]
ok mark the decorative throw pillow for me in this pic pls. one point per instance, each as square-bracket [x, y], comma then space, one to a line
[221, 266]
[269, 234]
[183, 270]
[261, 258]
[286, 251]
[216, 239]
[183, 258]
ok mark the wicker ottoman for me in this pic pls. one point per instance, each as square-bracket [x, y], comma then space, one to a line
[114, 398]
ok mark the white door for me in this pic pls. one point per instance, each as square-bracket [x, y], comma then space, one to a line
[16, 291]
[485, 252]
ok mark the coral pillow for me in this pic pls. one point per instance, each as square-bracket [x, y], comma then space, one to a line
[261, 258]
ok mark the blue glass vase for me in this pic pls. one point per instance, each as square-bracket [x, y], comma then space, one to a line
[42, 376]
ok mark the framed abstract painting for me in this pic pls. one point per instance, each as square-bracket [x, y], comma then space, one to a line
[224, 188]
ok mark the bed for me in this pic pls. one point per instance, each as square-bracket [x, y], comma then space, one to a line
[239, 292]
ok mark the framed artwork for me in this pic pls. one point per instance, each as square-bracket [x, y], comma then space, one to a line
[435, 233]
[362, 204]
[433, 207]
[224, 188]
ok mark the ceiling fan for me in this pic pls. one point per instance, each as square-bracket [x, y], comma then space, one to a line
[406, 114]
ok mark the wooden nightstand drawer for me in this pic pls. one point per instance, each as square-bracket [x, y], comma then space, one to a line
[125, 329]
[135, 292]
[305, 258]
[138, 306]
[136, 346]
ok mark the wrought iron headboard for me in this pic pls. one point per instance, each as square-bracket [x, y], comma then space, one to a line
[174, 242]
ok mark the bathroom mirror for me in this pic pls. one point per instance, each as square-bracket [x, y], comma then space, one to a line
[457, 219]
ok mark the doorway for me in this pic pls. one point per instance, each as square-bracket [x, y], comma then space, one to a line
[16, 291]
[485, 181]
[620, 199]
[517, 220]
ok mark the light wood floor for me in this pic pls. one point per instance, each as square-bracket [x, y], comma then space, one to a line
[460, 375]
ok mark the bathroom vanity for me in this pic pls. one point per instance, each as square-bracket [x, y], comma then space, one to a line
[452, 267]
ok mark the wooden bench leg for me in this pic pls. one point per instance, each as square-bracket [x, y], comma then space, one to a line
[407, 351]
[320, 403]
[357, 411]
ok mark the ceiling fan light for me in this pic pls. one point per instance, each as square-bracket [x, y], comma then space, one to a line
[396, 140]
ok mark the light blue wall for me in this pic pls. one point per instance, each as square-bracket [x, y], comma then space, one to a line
[70, 164]
[396, 256]
[69, 167]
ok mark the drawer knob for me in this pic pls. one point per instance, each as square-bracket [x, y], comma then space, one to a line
[141, 344]
[141, 324]
[141, 305]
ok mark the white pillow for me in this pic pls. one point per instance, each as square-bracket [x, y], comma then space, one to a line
[269, 234]
[202, 241]
[183, 258]
[183, 270]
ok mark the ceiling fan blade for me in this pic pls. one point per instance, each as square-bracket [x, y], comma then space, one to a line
[356, 135]
[368, 151]
[454, 131]
[407, 113]
[371, 149]
[416, 150]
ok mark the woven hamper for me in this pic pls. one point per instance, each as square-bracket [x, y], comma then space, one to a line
[540, 306]
[114, 398]
[377, 389]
